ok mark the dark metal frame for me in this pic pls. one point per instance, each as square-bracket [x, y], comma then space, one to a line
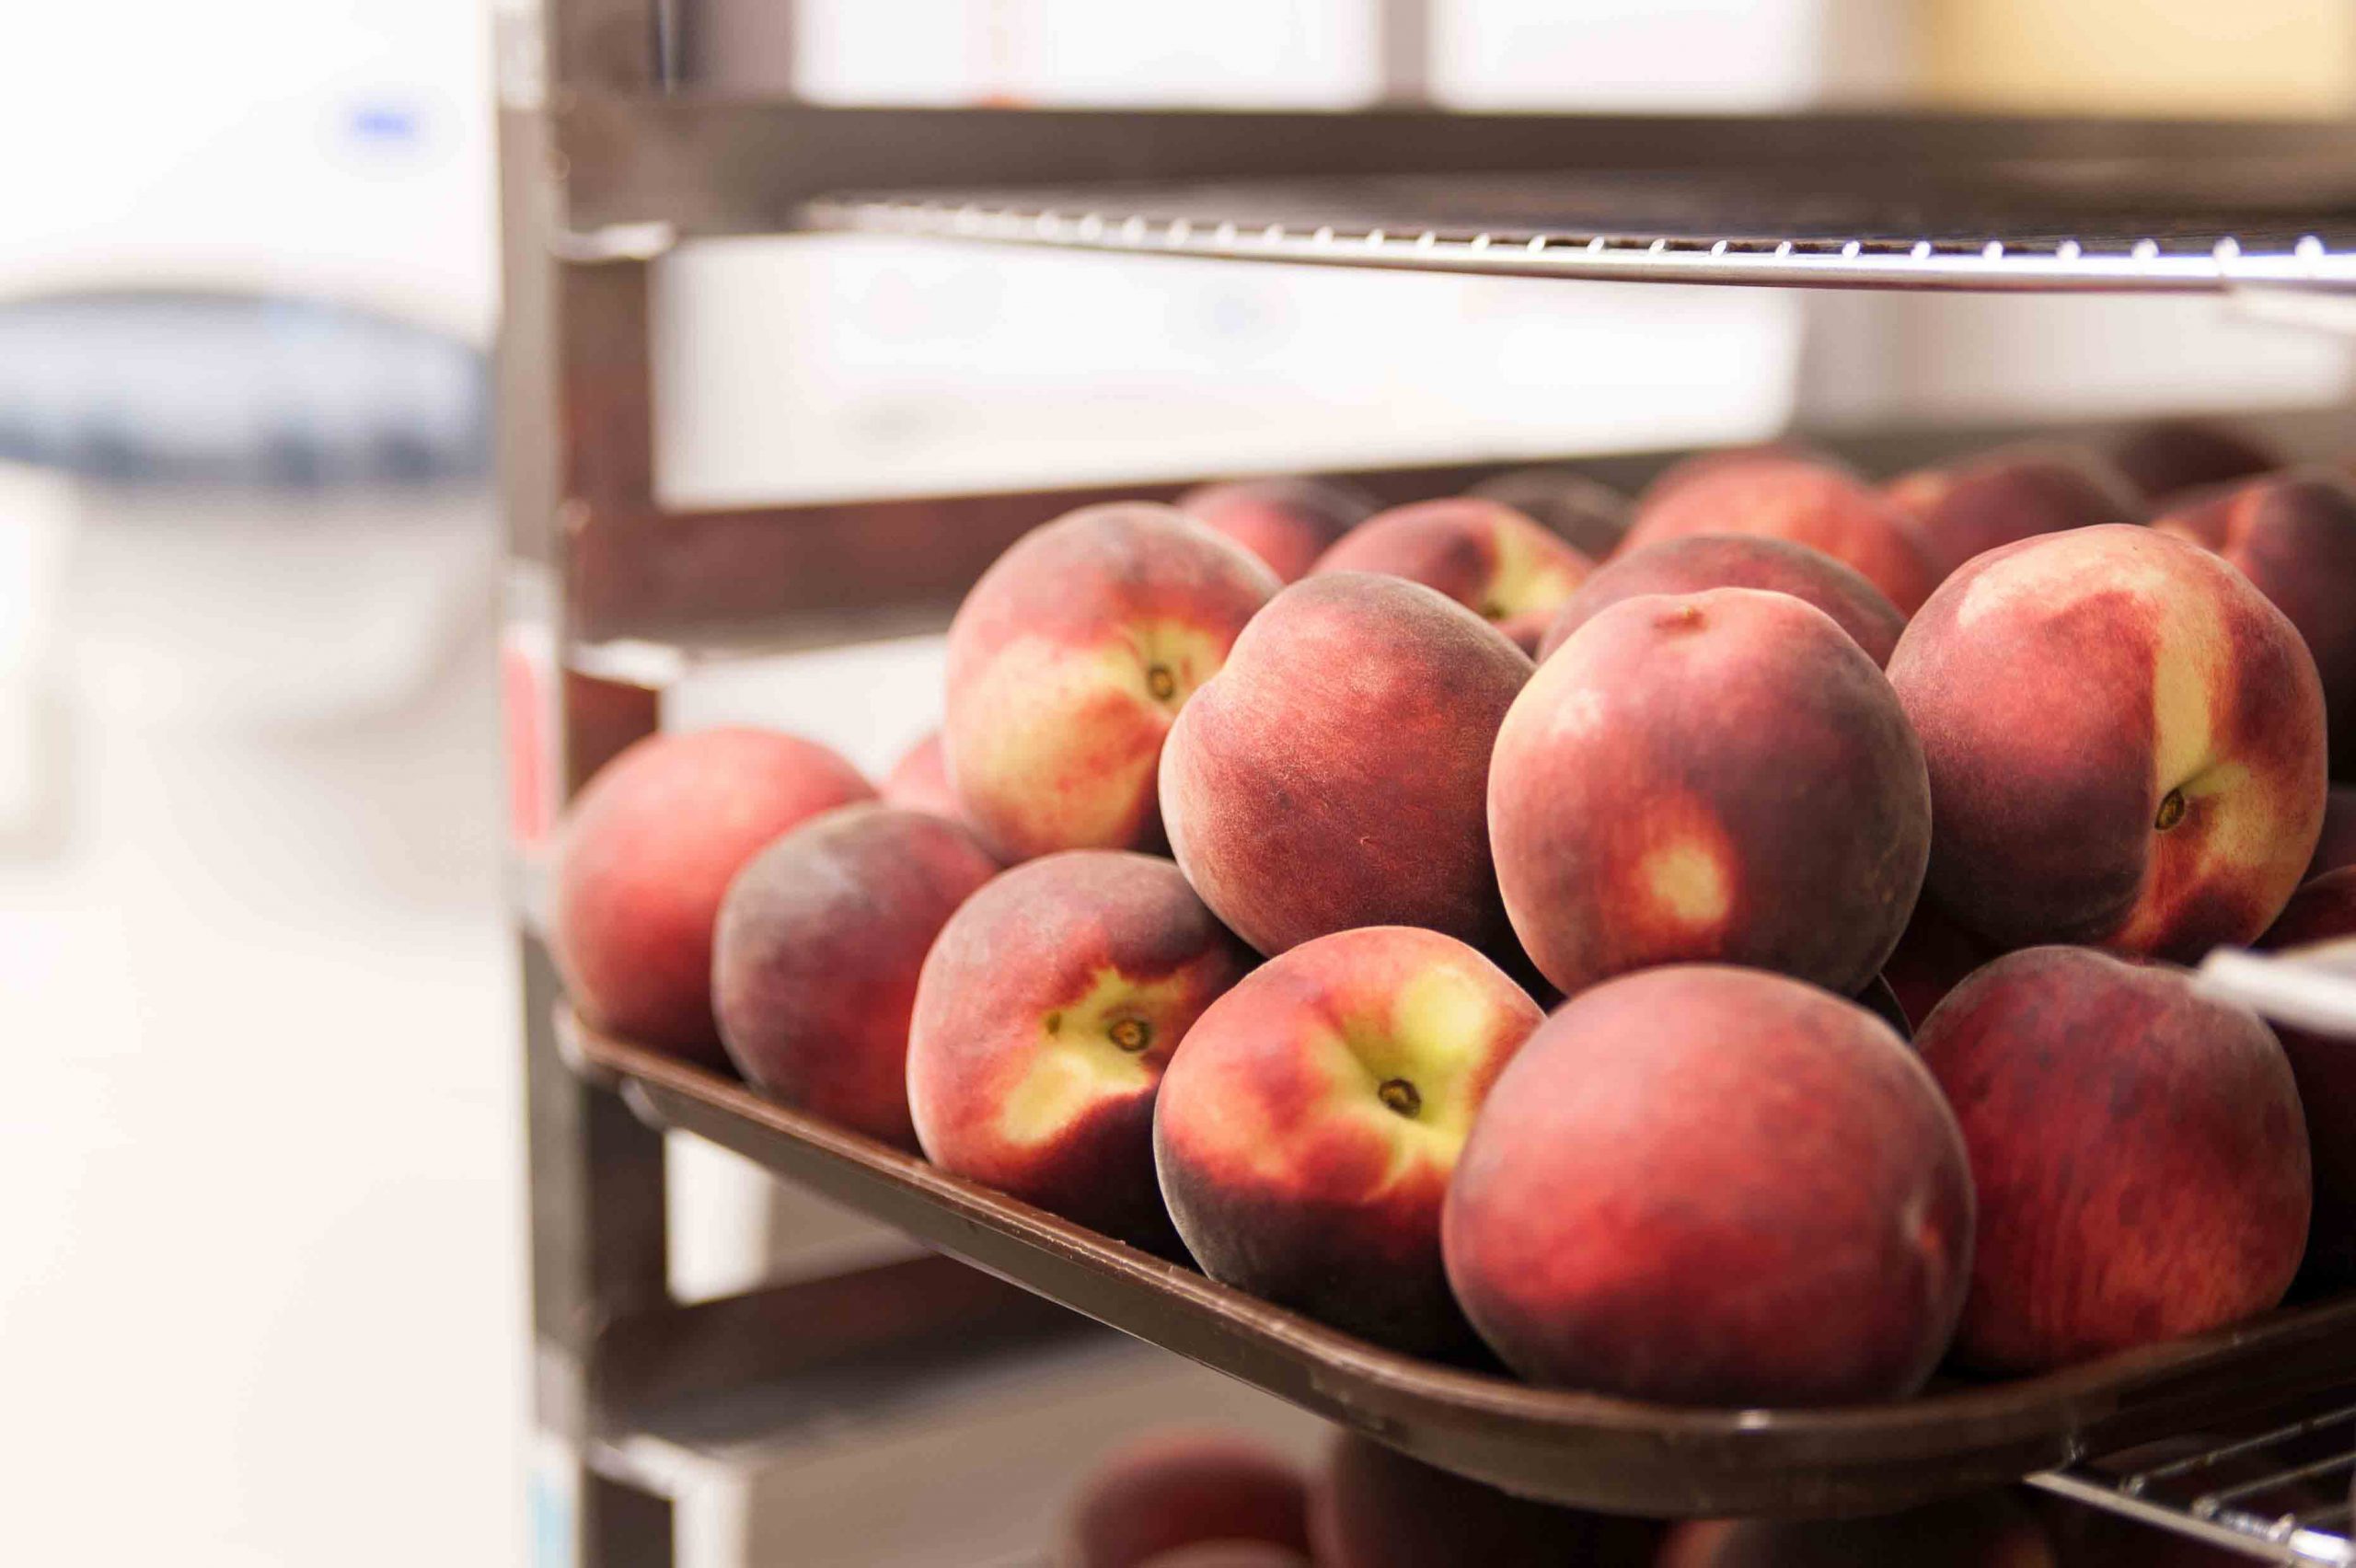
[604, 165]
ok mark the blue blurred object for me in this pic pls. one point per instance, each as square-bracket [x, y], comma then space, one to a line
[141, 386]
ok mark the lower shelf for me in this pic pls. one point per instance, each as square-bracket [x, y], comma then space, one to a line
[1582, 1450]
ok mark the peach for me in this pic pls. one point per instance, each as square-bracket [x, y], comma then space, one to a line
[1721, 776]
[1306, 1129]
[1331, 775]
[1482, 554]
[1711, 460]
[1173, 1489]
[1374, 1507]
[1967, 508]
[2166, 458]
[644, 855]
[1067, 662]
[2125, 741]
[1987, 1529]
[1227, 1554]
[1713, 1186]
[1044, 1015]
[814, 959]
[1287, 522]
[2325, 910]
[2138, 1152]
[920, 782]
[1703, 561]
[1588, 517]
[2336, 848]
[1932, 957]
[2294, 537]
[1784, 497]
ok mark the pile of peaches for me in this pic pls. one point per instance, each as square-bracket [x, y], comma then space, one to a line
[1725, 948]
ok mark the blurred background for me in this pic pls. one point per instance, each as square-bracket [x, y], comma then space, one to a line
[261, 1289]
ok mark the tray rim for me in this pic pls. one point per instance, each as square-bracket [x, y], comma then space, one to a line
[2051, 1414]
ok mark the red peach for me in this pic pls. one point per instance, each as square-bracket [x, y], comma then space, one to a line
[1932, 957]
[1374, 1508]
[2294, 537]
[2336, 848]
[1712, 460]
[646, 851]
[1044, 1016]
[2138, 1152]
[1987, 1529]
[1067, 662]
[1709, 1185]
[1181, 1489]
[2125, 743]
[920, 782]
[1482, 554]
[1287, 522]
[1703, 561]
[1331, 775]
[2166, 457]
[1306, 1130]
[1588, 517]
[2322, 911]
[1721, 776]
[815, 959]
[1801, 500]
[1967, 508]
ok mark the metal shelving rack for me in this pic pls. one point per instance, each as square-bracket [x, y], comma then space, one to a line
[607, 164]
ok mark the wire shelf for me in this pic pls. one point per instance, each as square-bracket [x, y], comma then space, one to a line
[2021, 226]
[2281, 1493]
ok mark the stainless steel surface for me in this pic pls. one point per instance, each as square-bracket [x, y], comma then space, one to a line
[716, 166]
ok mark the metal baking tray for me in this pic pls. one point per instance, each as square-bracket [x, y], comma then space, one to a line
[1584, 1450]
[2052, 225]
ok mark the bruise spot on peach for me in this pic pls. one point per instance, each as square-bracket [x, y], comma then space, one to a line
[1688, 884]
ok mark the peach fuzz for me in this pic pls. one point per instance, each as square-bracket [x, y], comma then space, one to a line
[1482, 554]
[2293, 535]
[1588, 516]
[1967, 508]
[1703, 561]
[1177, 1489]
[2138, 1151]
[645, 853]
[1306, 1130]
[1333, 773]
[1809, 502]
[1721, 776]
[2324, 911]
[920, 782]
[1374, 1507]
[2125, 742]
[1044, 1016]
[1067, 662]
[815, 956]
[1287, 523]
[1713, 1186]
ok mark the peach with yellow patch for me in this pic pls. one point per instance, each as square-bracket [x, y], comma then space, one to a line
[1306, 1131]
[1495, 562]
[1044, 1016]
[1068, 661]
[2125, 742]
[1721, 776]
[1779, 495]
